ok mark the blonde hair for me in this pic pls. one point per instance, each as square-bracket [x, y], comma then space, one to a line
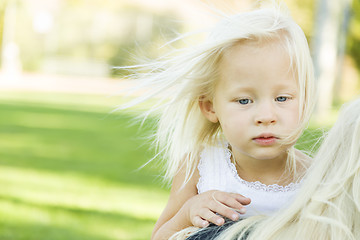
[183, 131]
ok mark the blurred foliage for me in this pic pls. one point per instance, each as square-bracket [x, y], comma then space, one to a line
[303, 13]
[98, 31]
[353, 40]
[2, 16]
[119, 33]
[164, 28]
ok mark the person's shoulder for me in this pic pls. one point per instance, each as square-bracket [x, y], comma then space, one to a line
[188, 172]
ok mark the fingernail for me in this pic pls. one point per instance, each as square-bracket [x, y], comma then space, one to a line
[242, 210]
[235, 217]
[219, 221]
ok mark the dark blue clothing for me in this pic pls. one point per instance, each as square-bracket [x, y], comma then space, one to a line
[211, 232]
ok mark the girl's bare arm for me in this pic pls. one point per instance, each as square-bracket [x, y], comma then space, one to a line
[172, 220]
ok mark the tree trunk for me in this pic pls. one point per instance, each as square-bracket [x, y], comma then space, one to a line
[329, 20]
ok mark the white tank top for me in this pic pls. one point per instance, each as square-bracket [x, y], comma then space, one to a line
[217, 172]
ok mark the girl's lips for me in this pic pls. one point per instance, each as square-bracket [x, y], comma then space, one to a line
[265, 141]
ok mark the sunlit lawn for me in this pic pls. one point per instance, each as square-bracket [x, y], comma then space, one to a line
[69, 170]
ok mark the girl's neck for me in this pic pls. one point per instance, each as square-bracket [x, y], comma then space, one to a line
[271, 171]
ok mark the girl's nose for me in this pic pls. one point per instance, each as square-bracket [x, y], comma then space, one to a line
[265, 115]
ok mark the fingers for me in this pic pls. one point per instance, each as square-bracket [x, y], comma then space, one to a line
[206, 216]
[231, 200]
[241, 199]
[214, 206]
[197, 221]
[225, 211]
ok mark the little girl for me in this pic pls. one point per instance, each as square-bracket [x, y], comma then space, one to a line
[232, 109]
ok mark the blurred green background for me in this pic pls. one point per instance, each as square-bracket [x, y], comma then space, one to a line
[70, 168]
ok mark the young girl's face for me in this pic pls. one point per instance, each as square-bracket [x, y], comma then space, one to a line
[256, 100]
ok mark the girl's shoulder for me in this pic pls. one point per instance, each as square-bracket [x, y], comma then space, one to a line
[214, 156]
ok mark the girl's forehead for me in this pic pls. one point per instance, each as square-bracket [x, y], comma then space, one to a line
[256, 46]
[249, 63]
[248, 58]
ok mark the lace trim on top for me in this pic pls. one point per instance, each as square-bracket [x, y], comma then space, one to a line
[200, 167]
[258, 185]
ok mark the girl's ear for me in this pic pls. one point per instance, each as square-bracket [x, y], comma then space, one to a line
[207, 109]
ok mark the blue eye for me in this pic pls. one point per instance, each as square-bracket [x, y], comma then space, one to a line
[281, 99]
[244, 101]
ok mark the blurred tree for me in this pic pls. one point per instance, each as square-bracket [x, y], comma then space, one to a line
[353, 40]
[91, 34]
[330, 21]
[10, 55]
[112, 32]
[2, 17]
[303, 13]
[145, 39]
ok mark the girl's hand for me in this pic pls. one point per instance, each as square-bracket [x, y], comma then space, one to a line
[213, 206]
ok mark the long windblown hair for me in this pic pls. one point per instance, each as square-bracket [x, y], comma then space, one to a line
[181, 80]
[327, 206]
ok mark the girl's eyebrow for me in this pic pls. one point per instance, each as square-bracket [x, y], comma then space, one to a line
[241, 87]
[278, 89]
[237, 89]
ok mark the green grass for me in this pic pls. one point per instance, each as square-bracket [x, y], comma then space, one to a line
[70, 170]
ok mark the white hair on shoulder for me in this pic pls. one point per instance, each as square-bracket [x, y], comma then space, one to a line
[327, 206]
[184, 79]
